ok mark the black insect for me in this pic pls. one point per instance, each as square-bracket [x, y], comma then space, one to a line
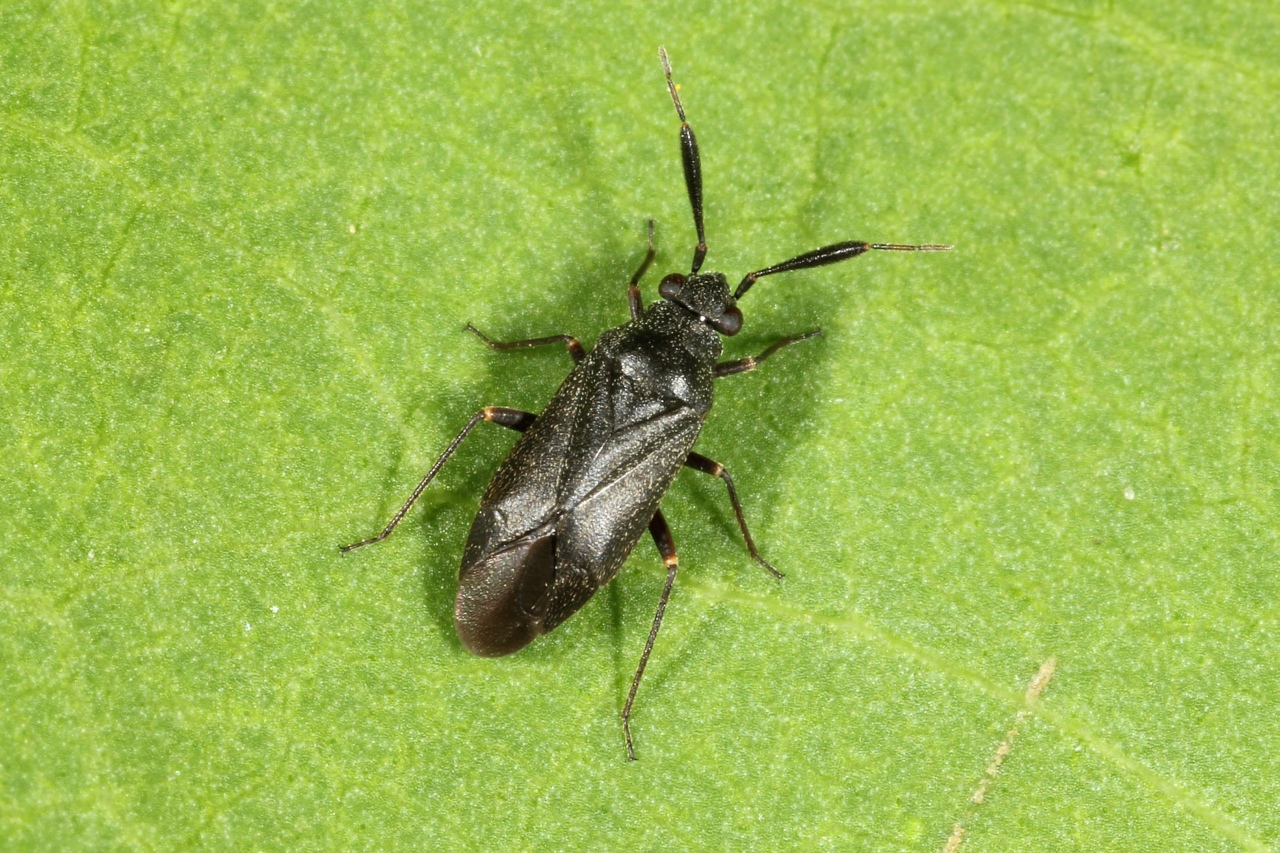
[585, 479]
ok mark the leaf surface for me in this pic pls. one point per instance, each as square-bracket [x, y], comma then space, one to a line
[240, 244]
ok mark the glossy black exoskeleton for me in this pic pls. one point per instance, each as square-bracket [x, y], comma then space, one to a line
[568, 505]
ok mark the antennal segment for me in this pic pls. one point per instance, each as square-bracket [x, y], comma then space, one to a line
[692, 164]
[834, 253]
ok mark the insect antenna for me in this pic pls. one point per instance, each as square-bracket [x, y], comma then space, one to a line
[692, 164]
[834, 253]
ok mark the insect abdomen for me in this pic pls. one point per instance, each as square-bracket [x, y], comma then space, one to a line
[500, 597]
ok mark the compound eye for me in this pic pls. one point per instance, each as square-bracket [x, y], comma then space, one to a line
[729, 323]
[671, 287]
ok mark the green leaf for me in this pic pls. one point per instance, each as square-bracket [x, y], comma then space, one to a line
[239, 246]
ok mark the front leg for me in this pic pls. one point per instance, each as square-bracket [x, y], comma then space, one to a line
[633, 289]
[572, 344]
[742, 365]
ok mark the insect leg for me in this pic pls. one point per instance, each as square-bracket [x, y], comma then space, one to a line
[692, 165]
[511, 418]
[742, 365]
[633, 289]
[572, 344]
[698, 462]
[661, 533]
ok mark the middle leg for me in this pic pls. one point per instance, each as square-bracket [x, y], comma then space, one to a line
[698, 462]
[500, 415]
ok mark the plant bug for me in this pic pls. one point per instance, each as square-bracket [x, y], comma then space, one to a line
[587, 476]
